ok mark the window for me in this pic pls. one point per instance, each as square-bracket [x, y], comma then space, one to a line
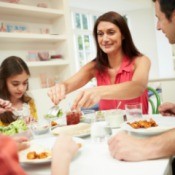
[83, 23]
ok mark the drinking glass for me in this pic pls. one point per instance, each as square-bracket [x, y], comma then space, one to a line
[88, 116]
[114, 118]
[133, 111]
[99, 132]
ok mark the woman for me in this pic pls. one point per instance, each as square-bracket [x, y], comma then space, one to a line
[120, 69]
[14, 75]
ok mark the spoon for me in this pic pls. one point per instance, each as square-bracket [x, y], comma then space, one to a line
[53, 111]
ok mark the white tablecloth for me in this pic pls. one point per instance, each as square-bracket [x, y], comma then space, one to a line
[94, 159]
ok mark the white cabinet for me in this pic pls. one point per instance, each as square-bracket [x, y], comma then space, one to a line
[26, 28]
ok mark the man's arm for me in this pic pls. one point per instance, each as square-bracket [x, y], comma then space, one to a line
[9, 157]
[126, 147]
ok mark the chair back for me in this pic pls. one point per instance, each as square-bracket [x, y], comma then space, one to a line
[153, 104]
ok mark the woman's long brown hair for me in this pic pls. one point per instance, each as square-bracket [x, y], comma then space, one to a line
[128, 47]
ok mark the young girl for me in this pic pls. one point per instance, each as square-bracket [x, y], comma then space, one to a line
[14, 75]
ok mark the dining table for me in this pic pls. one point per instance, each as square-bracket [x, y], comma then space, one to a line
[93, 158]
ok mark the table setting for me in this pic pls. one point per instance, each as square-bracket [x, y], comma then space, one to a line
[94, 157]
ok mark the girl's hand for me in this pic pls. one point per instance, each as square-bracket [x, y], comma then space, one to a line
[5, 106]
[29, 120]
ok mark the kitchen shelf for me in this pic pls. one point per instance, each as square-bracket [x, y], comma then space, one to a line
[47, 63]
[30, 37]
[35, 29]
[24, 10]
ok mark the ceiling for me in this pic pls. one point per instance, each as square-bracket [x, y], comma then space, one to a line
[105, 5]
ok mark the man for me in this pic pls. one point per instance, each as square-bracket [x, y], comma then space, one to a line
[125, 147]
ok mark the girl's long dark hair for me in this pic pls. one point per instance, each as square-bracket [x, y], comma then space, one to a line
[128, 47]
[11, 66]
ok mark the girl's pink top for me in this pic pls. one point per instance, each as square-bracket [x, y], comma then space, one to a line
[124, 74]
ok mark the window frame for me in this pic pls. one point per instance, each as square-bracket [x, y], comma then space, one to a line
[83, 32]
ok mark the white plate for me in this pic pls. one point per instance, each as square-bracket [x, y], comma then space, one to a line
[83, 135]
[111, 127]
[53, 127]
[78, 130]
[38, 149]
[164, 124]
[40, 145]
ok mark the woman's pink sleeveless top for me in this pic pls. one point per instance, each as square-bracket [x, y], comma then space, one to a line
[124, 74]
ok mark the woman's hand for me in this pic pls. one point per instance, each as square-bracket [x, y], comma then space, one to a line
[87, 98]
[167, 109]
[57, 93]
[5, 106]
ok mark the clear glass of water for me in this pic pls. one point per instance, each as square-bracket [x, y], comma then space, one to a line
[99, 131]
[88, 116]
[133, 111]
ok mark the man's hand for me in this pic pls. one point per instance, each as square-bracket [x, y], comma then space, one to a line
[167, 109]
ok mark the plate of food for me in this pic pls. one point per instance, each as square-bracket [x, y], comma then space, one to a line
[35, 154]
[40, 150]
[148, 126]
[78, 130]
[55, 124]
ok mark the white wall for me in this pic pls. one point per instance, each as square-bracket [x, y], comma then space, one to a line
[164, 50]
[143, 33]
[106, 5]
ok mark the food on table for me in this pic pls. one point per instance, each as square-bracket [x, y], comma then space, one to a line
[33, 155]
[73, 130]
[59, 114]
[73, 117]
[53, 123]
[100, 116]
[79, 145]
[14, 128]
[143, 124]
